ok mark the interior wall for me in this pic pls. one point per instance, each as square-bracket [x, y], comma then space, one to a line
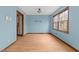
[37, 23]
[73, 37]
[26, 24]
[7, 27]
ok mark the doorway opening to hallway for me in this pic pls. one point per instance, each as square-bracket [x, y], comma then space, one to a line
[20, 24]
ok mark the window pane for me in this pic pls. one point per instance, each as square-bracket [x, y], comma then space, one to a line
[61, 16]
[65, 26]
[56, 22]
[56, 19]
[55, 25]
[60, 25]
[66, 15]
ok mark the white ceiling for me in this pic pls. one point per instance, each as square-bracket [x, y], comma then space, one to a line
[32, 10]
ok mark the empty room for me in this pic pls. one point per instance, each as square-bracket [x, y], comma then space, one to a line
[39, 28]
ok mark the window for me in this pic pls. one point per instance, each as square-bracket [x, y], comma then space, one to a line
[56, 22]
[61, 19]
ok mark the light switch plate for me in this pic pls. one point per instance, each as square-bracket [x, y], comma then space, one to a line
[8, 19]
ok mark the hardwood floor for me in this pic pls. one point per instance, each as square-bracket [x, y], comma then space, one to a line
[38, 43]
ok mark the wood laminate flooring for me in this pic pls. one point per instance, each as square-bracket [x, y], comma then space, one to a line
[38, 43]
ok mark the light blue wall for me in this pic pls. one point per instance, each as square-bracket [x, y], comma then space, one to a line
[26, 25]
[73, 37]
[7, 29]
[37, 23]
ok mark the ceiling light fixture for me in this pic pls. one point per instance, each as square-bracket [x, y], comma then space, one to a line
[39, 10]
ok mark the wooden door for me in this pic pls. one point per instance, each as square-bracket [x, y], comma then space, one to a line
[18, 24]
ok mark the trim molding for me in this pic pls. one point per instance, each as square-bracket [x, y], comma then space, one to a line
[65, 43]
[38, 33]
[21, 14]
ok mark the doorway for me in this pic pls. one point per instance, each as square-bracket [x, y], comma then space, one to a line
[20, 23]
